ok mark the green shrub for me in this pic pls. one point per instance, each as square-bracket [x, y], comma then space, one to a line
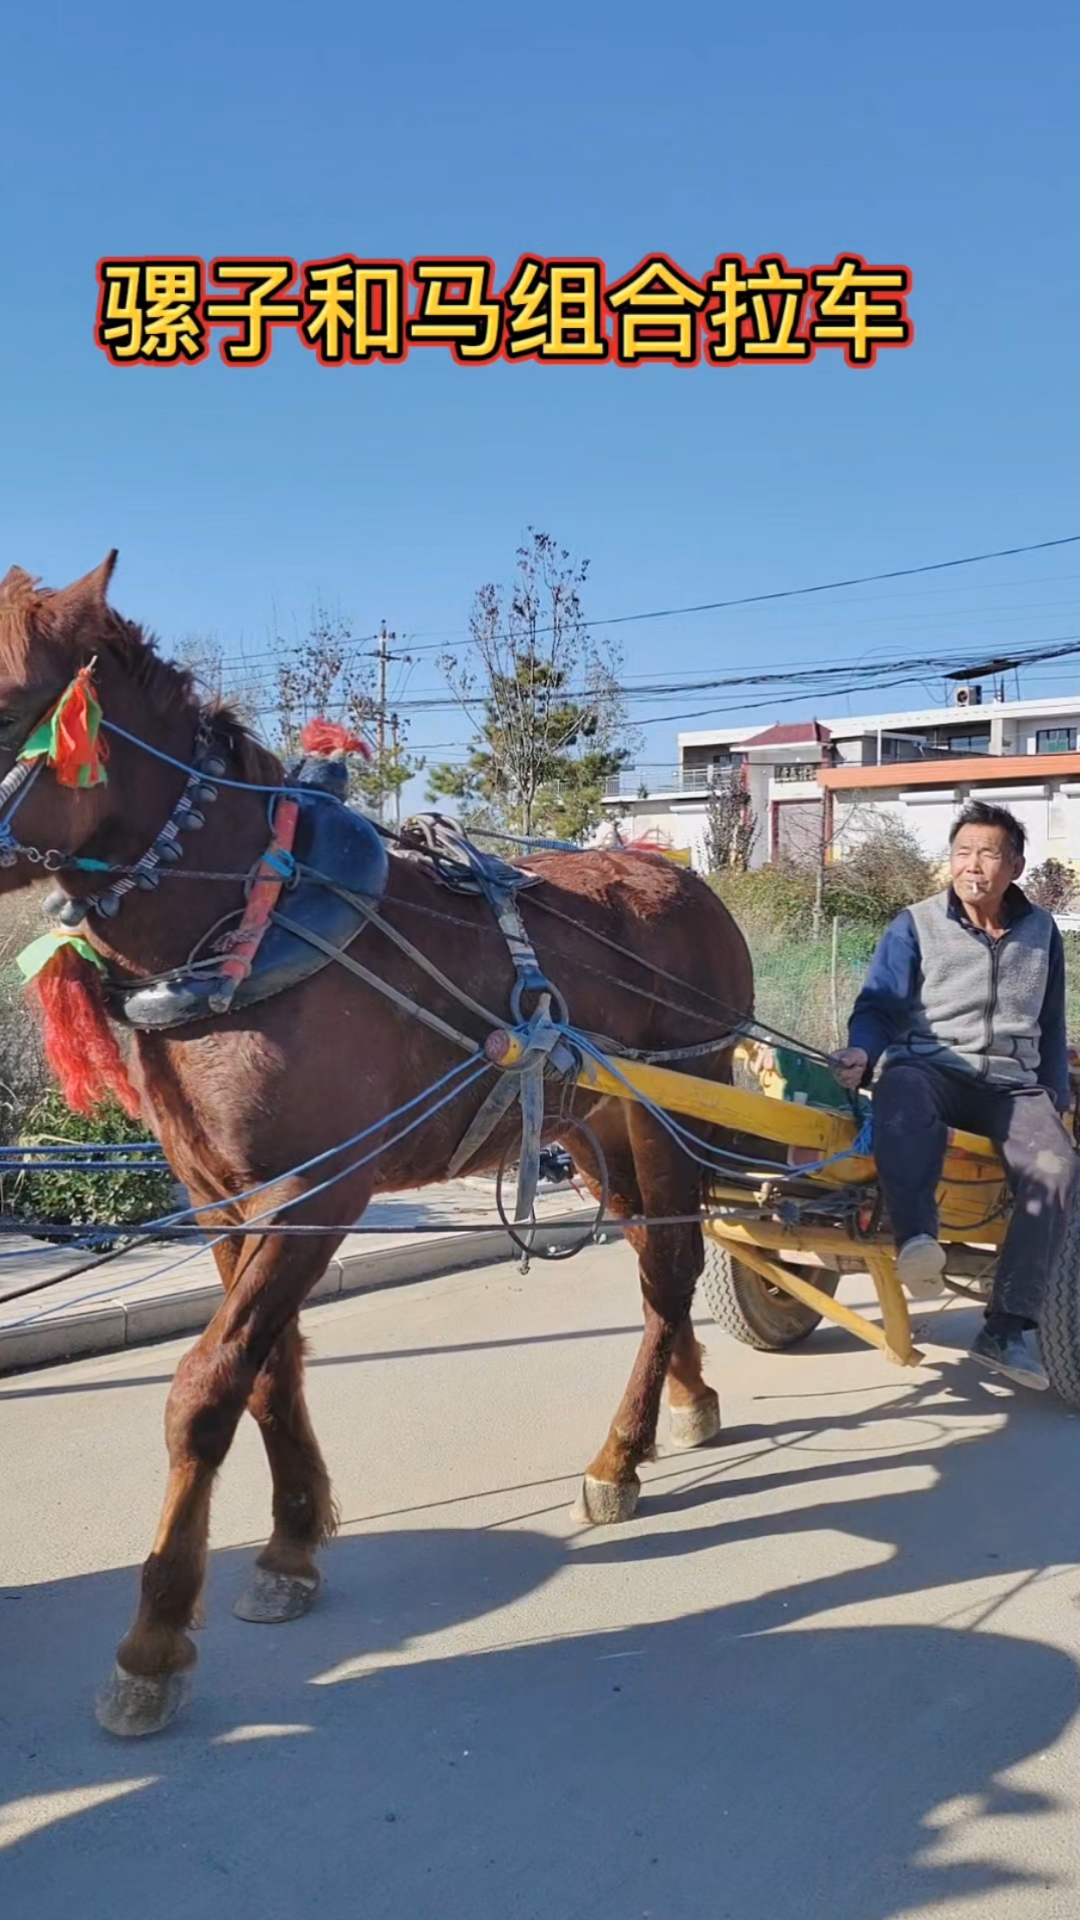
[880, 874]
[769, 902]
[125, 1198]
[883, 872]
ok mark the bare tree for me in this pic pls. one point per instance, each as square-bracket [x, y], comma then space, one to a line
[730, 824]
[1053, 886]
[544, 699]
[220, 678]
[330, 674]
[324, 674]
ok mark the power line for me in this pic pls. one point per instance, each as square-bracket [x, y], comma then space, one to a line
[824, 586]
[753, 599]
[818, 680]
[834, 586]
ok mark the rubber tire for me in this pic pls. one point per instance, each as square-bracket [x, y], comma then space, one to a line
[744, 1305]
[1059, 1329]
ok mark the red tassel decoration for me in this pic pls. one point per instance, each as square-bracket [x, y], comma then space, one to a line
[80, 1044]
[326, 737]
[69, 737]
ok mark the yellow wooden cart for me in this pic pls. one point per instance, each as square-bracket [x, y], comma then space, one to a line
[771, 1276]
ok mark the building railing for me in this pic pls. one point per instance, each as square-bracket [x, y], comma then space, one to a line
[632, 783]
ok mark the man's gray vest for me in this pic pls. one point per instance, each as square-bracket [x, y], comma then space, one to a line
[978, 1001]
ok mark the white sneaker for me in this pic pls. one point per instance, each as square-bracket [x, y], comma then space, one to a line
[920, 1264]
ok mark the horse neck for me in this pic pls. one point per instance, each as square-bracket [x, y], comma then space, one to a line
[154, 931]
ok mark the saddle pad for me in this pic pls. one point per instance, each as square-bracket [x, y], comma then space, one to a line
[345, 848]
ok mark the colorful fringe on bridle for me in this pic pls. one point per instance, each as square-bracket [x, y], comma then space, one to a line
[69, 737]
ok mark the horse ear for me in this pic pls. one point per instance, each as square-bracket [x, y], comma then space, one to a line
[88, 595]
[15, 584]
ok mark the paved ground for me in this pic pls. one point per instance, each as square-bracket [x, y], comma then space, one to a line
[829, 1673]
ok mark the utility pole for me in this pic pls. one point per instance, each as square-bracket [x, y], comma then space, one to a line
[823, 855]
[381, 718]
[394, 725]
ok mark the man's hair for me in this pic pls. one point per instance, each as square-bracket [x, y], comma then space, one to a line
[979, 813]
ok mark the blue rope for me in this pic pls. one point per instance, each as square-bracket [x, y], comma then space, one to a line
[716, 1159]
[217, 779]
[87, 1167]
[149, 1228]
[300, 1199]
[7, 838]
[82, 1146]
[523, 840]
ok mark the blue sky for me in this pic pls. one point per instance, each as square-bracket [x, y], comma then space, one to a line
[237, 497]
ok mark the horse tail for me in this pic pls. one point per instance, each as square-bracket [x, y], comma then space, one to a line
[80, 1044]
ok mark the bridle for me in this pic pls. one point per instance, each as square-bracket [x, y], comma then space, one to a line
[14, 788]
[164, 850]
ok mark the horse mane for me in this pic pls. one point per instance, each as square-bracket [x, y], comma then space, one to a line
[32, 616]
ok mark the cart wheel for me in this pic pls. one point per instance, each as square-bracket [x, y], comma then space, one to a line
[746, 1306]
[1059, 1331]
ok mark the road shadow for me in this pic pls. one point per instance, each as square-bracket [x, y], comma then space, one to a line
[740, 1762]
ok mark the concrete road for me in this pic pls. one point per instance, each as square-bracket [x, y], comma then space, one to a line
[829, 1671]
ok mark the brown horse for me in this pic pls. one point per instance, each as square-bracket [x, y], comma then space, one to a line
[246, 1098]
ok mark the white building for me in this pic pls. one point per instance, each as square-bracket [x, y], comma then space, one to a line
[814, 783]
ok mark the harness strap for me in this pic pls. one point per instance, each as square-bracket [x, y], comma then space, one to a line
[375, 919]
[13, 789]
[401, 1000]
[518, 1083]
[405, 946]
[270, 875]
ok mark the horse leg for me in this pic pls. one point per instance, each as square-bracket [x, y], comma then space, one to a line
[213, 1384]
[286, 1578]
[693, 1406]
[670, 1259]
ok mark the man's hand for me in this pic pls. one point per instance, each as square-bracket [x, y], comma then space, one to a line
[849, 1067]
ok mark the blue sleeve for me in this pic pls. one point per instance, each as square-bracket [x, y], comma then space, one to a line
[884, 1006]
[1053, 1045]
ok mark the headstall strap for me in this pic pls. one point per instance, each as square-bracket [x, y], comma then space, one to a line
[166, 850]
[12, 790]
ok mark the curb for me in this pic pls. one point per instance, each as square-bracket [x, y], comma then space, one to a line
[115, 1324]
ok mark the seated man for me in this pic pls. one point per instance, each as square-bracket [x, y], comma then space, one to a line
[965, 999]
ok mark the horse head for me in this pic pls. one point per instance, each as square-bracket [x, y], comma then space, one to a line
[67, 651]
[50, 642]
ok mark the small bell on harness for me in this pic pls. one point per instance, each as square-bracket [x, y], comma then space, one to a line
[60, 906]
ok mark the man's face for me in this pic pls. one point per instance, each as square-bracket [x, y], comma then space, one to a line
[983, 866]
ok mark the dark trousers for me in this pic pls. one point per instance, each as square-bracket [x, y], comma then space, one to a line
[914, 1106]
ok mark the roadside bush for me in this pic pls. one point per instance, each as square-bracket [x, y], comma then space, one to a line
[868, 886]
[769, 902]
[24, 1075]
[127, 1198]
[24, 1072]
[879, 875]
[1053, 886]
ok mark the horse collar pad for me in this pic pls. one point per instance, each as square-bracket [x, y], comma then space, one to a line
[334, 844]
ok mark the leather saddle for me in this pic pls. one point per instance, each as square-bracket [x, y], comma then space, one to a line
[332, 843]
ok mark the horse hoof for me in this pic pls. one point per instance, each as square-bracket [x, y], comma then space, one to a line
[696, 1425]
[273, 1598]
[134, 1704]
[605, 1503]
